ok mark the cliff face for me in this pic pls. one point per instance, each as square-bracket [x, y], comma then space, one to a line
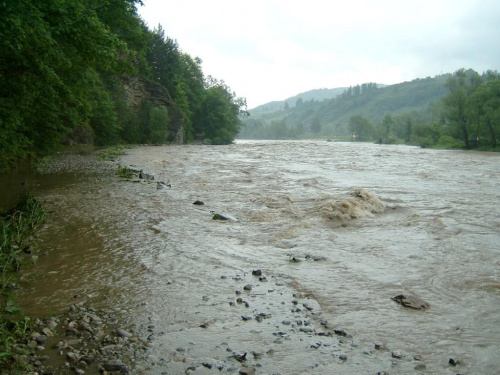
[138, 90]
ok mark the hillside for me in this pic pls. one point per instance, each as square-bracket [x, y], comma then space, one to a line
[314, 95]
[371, 101]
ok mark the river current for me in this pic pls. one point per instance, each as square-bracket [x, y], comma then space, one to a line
[365, 223]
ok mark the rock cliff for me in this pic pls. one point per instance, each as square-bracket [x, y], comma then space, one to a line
[139, 89]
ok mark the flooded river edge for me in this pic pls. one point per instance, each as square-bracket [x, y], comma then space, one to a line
[363, 222]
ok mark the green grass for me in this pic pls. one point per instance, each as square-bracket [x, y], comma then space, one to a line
[113, 152]
[17, 228]
[125, 172]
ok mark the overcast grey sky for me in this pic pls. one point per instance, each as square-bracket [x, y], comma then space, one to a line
[269, 50]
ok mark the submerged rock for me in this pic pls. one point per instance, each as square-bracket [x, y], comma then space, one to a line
[411, 302]
[222, 217]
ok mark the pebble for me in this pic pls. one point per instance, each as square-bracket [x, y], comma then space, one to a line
[397, 354]
[306, 329]
[121, 332]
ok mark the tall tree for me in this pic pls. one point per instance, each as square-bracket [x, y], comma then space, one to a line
[461, 85]
[484, 105]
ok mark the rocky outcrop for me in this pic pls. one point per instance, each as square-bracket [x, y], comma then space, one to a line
[139, 90]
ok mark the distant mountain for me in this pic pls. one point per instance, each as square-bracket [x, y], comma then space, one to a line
[314, 95]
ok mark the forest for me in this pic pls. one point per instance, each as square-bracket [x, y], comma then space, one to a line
[455, 110]
[76, 72]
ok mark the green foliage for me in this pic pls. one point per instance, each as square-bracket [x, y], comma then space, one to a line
[16, 229]
[420, 112]
[361, 128]
[158, 124]
[63, 68]
[125, 173]
[220, 113]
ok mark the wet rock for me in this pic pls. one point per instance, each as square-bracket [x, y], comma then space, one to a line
[316, 258]
[247, 371]
[453, 362]
[222, 217]
[72, 357]
[286, 322]
[411, 302]
[262, 279]
[343, 357]
[306, 329]
[245, 318]
[116, 365]
[418, 358]
[340, 332]
[397, 354]
[41, 340]
[307, 307]
[198, 203]
[146, 176]
[240, 357]
[247, 287]
[47, 332]
[257, 355]
[32, 344]
[257, 273]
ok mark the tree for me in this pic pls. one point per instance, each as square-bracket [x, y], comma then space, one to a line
[158, 124]
[484, 105]
[221, 110]
[457, 100]
[361, 128]
[316, 125]
[387, 123]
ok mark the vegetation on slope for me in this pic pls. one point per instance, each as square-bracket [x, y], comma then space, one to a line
[88, 71]
[451, 110]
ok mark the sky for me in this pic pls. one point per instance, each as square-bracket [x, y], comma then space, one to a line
[269, 50]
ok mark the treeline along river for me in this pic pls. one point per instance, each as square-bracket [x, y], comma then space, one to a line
[336, 229]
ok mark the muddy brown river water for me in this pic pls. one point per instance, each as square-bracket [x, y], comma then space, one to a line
[365, 222]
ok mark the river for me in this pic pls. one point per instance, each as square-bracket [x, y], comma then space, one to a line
[365, 223]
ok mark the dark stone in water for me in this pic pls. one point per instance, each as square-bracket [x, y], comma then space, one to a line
[257, 272]
[453, 362]
[116, 365]
[198, 203]
[411, 302]
[340, 332]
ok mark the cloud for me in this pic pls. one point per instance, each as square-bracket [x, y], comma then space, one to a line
[272, 49]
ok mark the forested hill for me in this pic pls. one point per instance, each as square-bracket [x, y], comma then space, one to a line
[372, 101]
[317, 94]
[92, 72]
[460, 109]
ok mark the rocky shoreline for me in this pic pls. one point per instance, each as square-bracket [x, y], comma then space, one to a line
[91, 340]
[83, 340]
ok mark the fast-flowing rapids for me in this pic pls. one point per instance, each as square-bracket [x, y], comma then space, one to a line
[341, 227]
